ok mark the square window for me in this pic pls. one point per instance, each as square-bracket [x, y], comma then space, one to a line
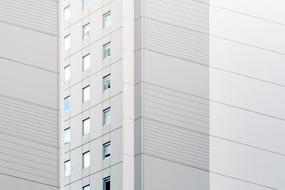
[67, 165]
[86, 126]
[107, 150]
[67, 42]
[85, 31]
[107, 116]
[67, 13]
[86, 187]
[107, 50]
[86, 93]
[107, 19]
[86, 62]
[86, 4]
[67, 104]
[107, 183]
[107, 82]
[86, 159]
[67, 72]
[67, 135]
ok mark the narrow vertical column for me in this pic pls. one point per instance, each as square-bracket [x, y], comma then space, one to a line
[128, 95]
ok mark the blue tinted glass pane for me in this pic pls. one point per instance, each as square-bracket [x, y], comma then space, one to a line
[66, 104]
[87, 4]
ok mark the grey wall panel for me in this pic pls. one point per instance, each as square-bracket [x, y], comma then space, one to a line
[40, 15]
[163, 174]
[29, 95]
[192, 78]
[28, 47]
[176, 144]
[28, 83]
[176, 108]
[28, 136]
[15, 183]
[159, 37]
[172, 93]
[185, 14]
[172, 75]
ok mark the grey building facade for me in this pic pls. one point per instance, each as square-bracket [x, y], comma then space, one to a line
[29, 111]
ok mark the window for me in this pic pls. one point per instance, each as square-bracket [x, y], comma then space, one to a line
[107, 82]
[67, 168]
[67, 42]
[86, 93]
[67, 104]
[107, 19]
[86, 187]
[86, 159]
[85, 31]
[107, 150]
[86, 4]
[107, 116]
[86, 126]
[67, 72]
[107, 50]
[107, 183]
[86, 62]
[67, 135]
[67, 13]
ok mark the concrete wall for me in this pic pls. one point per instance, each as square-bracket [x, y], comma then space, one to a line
[247, 94]
[209, 94]
[29, 95]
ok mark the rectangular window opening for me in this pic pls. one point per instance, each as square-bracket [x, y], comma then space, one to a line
[67, 13]
[86, 93]
[67, 165]
[67, 104]
[67, 42]
[107, 150]
[86, 159]
[86, 126]
[107, 183]
[107, 50]
[67, 135]
[107, 19]
[107, 82]
[86, 31]
[86, 187]
[86, 62]
[67, 73]
[107, 116]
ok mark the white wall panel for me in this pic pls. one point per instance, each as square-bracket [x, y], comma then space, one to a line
[247, 93]
[247, 163]
[247, 60]
[246, 29]
[266, 9]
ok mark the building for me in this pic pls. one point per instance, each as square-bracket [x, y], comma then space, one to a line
[161, 94]
[148, 95]
[29, 147]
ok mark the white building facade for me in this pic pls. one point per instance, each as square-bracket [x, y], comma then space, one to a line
[163, 95]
